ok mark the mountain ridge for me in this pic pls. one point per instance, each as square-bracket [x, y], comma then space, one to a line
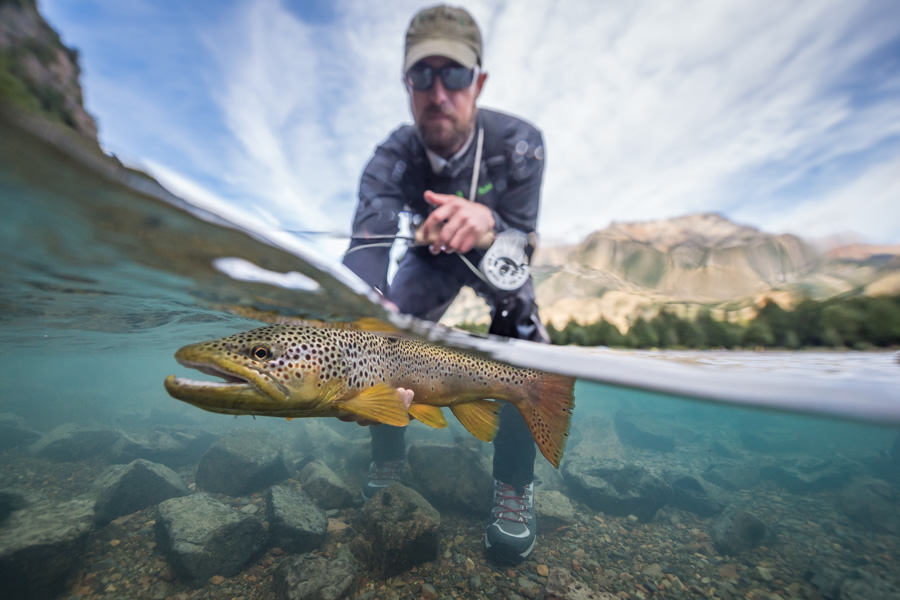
[634, 269]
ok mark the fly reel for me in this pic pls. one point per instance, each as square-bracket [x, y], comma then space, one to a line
[505, 264]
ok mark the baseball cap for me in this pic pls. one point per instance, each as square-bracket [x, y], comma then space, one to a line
[443, 31]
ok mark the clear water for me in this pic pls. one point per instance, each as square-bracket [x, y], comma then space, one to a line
[101, 283]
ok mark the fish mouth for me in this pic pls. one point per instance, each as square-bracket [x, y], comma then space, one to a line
[243, 390]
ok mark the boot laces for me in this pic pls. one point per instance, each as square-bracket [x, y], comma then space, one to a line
[511, 504]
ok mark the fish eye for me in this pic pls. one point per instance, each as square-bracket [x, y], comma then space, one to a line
[261, 353]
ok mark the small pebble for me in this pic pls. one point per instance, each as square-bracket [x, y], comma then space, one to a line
[427, 592]
[542, 570]
[217, 580]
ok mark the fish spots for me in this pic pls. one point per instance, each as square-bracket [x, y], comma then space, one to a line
[356, 360]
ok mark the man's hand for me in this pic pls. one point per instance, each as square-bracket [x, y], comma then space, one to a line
[405, 394]
[456, 225]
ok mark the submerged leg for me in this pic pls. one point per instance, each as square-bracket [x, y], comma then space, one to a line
[387, 443]
[514, 449]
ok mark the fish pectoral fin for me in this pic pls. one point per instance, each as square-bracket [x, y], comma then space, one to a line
[480, 417]
[432, 416]
[381, 403]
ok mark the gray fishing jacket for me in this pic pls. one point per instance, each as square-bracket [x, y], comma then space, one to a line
[396, 177]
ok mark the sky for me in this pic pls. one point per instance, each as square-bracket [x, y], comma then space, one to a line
[780, 115]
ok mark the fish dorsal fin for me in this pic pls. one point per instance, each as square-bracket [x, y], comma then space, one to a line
[480, 417]
[374, 325]
[381, 403]
[432, 416]
[370, 324]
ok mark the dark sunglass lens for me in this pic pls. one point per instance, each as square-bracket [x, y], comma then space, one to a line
[420, 78]
[457, 78]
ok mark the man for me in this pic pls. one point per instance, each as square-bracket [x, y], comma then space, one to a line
[463, 172]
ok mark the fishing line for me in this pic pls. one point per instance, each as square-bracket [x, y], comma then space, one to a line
[505, 262]
[465, 260]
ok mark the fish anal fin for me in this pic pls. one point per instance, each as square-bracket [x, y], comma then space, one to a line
[381, 403]
[547, 409]
[480, 417]
[432, 416]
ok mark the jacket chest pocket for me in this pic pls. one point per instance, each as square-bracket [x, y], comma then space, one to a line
[493, 181]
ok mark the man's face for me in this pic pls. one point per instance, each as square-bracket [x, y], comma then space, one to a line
[444, 118]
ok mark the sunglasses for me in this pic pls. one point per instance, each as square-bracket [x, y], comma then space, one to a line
[420, 77]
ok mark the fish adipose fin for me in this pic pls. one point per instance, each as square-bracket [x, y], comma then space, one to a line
[381, 403]
[547, 409]
[480, 418]
[432, 416]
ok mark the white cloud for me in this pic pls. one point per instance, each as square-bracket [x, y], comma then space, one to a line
[870, 203]
[649, 109]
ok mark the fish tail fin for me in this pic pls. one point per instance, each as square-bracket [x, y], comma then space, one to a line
[547, 409]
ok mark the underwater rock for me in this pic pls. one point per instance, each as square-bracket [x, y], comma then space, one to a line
[825, 575]
[863, 585]
[201, 537]
[452, 476]
[632, 435]
[757, 436]
[310, 577]
[616, 487]
[296, 524]
[40, 545]
[11, 419]
[11, 501]
[722, 449]
[313, 438]
[12, 435]
[173, 447]
[123, 489]
[736, 530]
[871, 503]
[834, 581]
[324, 485]
[810, 474]
[690, 494]
[562, 586]
[546, 477]
[241, 463]
[399, 530]
[732, 476]
[553, 509]
[597, 440]
[75, 442]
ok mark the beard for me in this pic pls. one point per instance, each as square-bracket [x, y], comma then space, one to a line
[443, 136]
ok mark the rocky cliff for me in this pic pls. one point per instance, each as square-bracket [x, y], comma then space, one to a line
[38, 73]
[628, 270]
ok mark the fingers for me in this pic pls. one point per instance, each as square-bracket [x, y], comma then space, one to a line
[435, 199]
[456, 225]
[406, 395]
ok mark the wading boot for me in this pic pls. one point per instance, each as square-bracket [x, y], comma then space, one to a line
[510, 537]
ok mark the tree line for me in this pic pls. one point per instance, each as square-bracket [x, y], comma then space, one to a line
[857, 322]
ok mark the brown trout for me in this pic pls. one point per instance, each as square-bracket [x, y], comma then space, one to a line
[291, 370]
